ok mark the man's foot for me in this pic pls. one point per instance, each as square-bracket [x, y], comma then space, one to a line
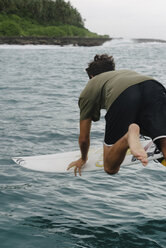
[134, 144]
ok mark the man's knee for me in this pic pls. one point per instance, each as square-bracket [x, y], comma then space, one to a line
[110, 171]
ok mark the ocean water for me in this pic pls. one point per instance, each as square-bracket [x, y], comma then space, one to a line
[39, 90]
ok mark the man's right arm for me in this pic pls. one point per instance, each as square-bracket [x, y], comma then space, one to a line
[84, 138]
[84, 143]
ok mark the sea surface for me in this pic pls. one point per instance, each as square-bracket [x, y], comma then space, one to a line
[39, 90]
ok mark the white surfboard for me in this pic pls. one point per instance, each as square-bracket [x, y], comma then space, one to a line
[59, 162]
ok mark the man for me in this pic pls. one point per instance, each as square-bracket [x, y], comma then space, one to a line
[134, 103]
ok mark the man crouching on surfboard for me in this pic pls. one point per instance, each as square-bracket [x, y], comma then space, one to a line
[134, 103]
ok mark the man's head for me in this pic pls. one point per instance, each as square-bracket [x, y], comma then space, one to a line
[100, 64]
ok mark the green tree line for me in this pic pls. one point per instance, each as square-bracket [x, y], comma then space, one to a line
[41, 18]
[43, 11]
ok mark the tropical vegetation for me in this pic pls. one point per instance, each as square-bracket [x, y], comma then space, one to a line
[41, 18]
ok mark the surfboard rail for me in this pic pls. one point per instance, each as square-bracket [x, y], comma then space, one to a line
[58, 163]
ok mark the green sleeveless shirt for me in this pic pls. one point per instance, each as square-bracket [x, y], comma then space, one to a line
[102, 90]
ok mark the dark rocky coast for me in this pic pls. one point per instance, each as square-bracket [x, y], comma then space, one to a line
[76, 41]
[149, 40]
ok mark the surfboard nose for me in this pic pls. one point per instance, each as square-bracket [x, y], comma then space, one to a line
[19, 161]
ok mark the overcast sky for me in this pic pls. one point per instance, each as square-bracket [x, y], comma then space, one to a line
[124, 18]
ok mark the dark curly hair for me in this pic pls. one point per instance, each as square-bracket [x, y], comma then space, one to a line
[100, 64]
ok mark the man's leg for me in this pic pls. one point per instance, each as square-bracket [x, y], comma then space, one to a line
[163, 146]
[115, 154]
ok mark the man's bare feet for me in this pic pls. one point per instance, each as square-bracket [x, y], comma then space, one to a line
[134, 144]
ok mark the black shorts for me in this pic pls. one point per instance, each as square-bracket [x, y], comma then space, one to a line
[144, 104]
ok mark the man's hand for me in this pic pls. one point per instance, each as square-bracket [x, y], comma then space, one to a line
[78, 166]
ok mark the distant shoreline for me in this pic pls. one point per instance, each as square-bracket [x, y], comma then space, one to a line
[76, 41]
[148, 40]
[62, 41]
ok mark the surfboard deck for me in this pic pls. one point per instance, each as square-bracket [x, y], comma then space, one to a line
[58, 163]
